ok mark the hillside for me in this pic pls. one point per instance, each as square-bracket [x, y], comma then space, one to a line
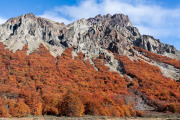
[101, 66]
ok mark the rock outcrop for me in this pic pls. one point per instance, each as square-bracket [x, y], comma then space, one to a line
[93, 37]
[114, 33]
[31, 30]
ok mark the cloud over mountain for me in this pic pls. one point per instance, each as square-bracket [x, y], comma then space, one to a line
[148, 17]
[2, 20]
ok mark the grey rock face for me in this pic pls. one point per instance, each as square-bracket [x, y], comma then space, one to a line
[117, 19]
[93, 37]
[154, 45]
[114, 33]
[31, 30]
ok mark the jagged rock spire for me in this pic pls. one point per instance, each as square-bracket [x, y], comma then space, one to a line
[112, 32]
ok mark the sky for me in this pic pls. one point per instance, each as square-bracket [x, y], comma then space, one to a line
[159, 18]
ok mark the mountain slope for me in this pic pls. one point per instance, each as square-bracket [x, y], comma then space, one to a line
[98, 66]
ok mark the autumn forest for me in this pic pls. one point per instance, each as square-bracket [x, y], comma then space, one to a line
[40, 84]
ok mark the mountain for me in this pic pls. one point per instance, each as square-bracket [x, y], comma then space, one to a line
[95, 66]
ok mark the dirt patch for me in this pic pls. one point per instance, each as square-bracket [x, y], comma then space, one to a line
[92, 118]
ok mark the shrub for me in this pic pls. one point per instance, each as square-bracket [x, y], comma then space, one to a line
[4, 112]
[71, 105]
[174, 107]
[126, 111]
[93, 107]
[115, 112]
[139, 113]
[47, 110]
[20, 110]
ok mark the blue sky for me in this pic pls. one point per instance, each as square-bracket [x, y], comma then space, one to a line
[160, 18]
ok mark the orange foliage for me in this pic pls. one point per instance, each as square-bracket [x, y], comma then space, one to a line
[3, 108]
[156, 57]
[71, 105]
[159, 90]
[174, 107]
[38, 84]
[42, 83]
[19, 110]
[139, 113]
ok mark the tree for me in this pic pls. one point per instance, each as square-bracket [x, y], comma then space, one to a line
[72, 105]
[20, 109]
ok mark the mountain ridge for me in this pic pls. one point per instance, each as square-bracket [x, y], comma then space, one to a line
[96, 66]
[94, 36]
[147, 42]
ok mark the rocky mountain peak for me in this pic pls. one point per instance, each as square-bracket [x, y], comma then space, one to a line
[108, 32]
[116, 19]
[108, 16]
[29, 29]
[29, 16]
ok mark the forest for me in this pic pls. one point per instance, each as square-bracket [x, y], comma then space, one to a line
[40, 84]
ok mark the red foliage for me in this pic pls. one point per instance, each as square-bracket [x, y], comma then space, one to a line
[19, 109]
[72, 105]
[139, 113]
[159, 90]
[41, 83]
[174, 107]
[156, 57]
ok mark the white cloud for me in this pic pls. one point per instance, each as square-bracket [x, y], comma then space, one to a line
[148, 18]
[54, 16]
[2, 20]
